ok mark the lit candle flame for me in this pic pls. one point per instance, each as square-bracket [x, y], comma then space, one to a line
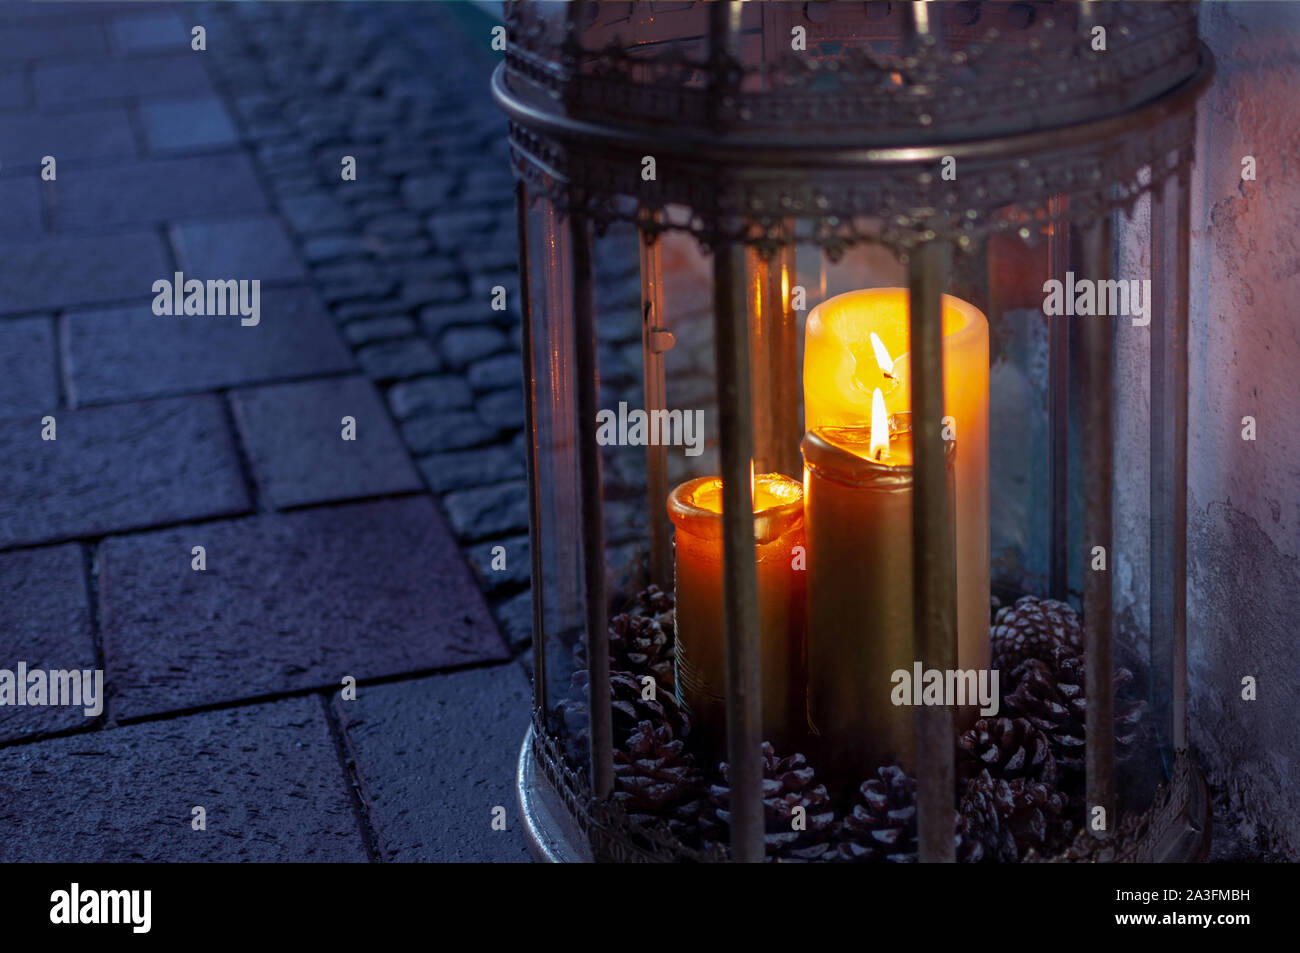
[882, 355]
[879, 446]
[751, 481]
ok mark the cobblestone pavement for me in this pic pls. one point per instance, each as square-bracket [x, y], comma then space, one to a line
[325, 559]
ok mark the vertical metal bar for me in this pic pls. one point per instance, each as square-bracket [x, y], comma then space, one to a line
[1058, 257]
[934, 559]
[1181, 225]
[740, 572]
[774, 368]
[743, 684]
[722, 19]
[530, 414]
[1095, 379]
[1169, 271]
[655, 340]
[785, 374]
[759, 321]
[592, 508]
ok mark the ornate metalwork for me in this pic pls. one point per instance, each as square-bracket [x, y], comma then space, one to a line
[977, 70]
[611, 834]
[583, 120]
[1172, 828]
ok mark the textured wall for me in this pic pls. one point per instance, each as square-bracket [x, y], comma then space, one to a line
[1244, 498]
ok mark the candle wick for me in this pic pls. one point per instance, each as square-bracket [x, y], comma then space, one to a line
[880, 454]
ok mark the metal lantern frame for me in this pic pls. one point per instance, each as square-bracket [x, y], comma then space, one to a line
[1051, 143]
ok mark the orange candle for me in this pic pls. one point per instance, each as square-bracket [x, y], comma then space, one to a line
[858, 484]
[695, 508]
[859, 341]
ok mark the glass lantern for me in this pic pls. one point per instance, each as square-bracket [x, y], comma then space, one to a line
[830, 317]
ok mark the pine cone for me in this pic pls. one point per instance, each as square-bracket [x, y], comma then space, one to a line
[656, 780]
[1051, 697]
[640, 644]
[1008, 748]
[652, 602]
[1039, 817]
[1033, 628]
[1028, 816]
[640, 638]
[629, 709]
[983, 836]
[882, 826]
[1030, 813]
[788, 783]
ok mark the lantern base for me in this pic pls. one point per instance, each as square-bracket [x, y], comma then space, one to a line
[553, 835]
[1175, 829]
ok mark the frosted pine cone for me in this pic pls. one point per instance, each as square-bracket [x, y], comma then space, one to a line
[640, 644]
[1033, 628]
[1032, 814]
[629, 707]
[1052, 697]
[1008, 748]
[984, 838]
[788, 783]
[655, 779]
[882, 825]
[653, 603]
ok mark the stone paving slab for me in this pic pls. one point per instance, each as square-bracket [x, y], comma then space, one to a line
[488, 511]
[289, 601]
[153, 32]
[117, 468]
[311, 214]
[28, 384]
[124, 353]
[102, 133]
[395, 360]
[517, 566]
[155, 190]
[193, 124]
[44, 622]
[65, 271]
[434, 756]
[429, 394]
[268, 777]
[37, 41]
[503, 409]
[458, 469]
[516, 618]
[21, 201]
[443, 432]
[251, 247]
[90, 80]
[294, 436]
[13, 88]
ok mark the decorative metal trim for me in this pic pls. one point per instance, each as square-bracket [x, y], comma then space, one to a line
[1175, 828]
[893, 197]
[611, 834]
[646, 67]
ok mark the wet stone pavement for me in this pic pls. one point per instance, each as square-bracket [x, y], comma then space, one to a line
[324, 559]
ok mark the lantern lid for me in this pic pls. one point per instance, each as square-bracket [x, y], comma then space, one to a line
[731, 120]
[819, 76]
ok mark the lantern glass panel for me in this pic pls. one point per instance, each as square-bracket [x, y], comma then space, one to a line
[558, 593]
